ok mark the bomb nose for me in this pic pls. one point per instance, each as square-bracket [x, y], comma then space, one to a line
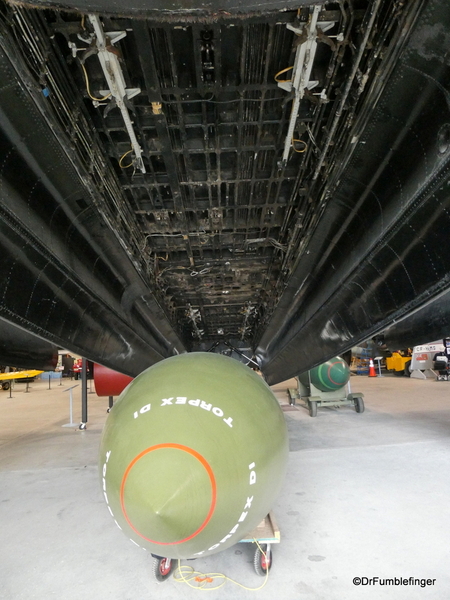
[168, 494]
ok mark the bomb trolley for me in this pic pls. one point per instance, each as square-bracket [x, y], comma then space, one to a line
[263, 536]
[326, 385]
[314, 397]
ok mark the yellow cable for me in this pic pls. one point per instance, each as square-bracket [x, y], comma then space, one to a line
[305, 146]
[121, 159]
[88, 88]
[280, 73]
[186, 574]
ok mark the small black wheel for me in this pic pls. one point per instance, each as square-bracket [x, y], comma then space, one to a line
[82, 426]
[6, 385]
[312, 408]
[162, 568]
[359, 405]
[399, 373]
[408, 369]
[262, 561]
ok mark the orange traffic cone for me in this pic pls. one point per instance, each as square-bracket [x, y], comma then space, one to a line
[372, 368]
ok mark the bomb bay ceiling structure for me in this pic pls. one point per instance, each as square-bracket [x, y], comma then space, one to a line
[267, 182]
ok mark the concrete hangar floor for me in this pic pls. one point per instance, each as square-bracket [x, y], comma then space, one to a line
[366, 496]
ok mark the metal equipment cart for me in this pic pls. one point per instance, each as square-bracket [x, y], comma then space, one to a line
[314, 397]
[266, 534]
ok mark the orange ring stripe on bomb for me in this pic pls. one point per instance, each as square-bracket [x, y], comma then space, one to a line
[212, 479]
[322, 380]
[338, 362]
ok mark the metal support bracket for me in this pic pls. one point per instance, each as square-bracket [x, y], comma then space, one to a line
[112, 70]
[301, 71]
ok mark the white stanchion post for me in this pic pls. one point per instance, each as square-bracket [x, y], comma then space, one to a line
[71, 424]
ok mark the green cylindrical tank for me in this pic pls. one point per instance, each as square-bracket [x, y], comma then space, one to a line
[330, 376]
[193, 455]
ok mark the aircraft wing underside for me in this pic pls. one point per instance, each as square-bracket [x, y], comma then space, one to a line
[269, 183]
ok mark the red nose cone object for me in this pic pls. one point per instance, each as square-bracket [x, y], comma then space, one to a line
[109, 382]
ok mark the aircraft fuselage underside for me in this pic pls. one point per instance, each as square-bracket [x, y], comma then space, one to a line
[275, 182]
